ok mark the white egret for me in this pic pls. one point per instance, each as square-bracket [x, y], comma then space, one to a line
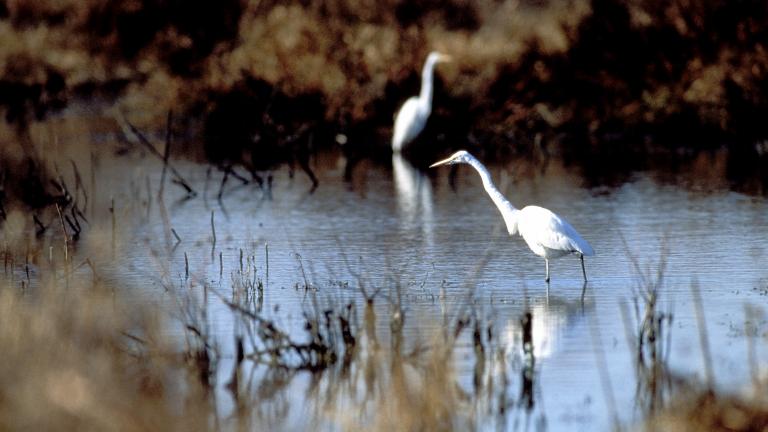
[547, 234]
[413, 114]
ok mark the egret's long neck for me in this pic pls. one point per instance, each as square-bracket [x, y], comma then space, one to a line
[508, 211]
[425, 97]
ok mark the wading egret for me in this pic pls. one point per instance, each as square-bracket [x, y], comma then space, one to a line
[413, 114]
[547, 234]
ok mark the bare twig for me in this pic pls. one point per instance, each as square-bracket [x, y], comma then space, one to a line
[114, 223]
[79, 186]
[167, 151]
[751, 317]
[175, 234]
[213, 232]
[66, 236]
[178, 179]
[703, 338]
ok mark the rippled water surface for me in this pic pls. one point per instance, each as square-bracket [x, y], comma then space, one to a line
[438, 236]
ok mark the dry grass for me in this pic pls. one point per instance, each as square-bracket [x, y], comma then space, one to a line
[82, 354]
[669, 401]
[704, 410]
[77, 359]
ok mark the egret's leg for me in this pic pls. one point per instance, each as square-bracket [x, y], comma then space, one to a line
[583, 272]
[546, 263]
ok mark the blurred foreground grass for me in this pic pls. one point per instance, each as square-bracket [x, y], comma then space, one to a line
[82, 354]
[78, 358]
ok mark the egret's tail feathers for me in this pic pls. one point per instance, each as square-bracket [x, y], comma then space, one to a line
[585, 249]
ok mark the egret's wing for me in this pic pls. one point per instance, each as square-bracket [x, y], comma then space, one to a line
[408, 124]
[553, 232]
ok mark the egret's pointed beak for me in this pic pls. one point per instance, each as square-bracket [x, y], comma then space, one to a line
[442, 162]
[445, 58]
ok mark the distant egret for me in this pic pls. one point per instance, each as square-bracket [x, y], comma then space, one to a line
[413, 114]
[547, 234]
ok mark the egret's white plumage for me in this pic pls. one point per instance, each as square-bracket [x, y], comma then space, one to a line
[413, 115]
[547, 234]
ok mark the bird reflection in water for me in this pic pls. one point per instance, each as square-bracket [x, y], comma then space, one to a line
[413, 192]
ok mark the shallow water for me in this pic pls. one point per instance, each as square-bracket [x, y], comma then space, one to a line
[438, 236]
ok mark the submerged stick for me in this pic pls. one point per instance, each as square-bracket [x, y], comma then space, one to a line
[178, 178]
[213, 232]
[751, 316]
[39, 224]
[26, 267]
[167, 151]
[79, 186]
[703, 338]
[175, 234]
[114, 222]
[66, 236]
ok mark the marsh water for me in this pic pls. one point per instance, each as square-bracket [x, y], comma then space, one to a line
[434, 243]
[438, 237]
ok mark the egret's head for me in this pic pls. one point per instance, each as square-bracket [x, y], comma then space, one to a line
[436, 57]
[461, 156]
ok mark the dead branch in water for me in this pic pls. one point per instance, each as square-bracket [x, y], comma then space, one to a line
[178, 178]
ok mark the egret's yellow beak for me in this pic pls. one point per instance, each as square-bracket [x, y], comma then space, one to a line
[442, 162]
[445, 58]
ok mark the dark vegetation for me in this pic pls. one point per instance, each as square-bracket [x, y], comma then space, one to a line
[612, 86]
